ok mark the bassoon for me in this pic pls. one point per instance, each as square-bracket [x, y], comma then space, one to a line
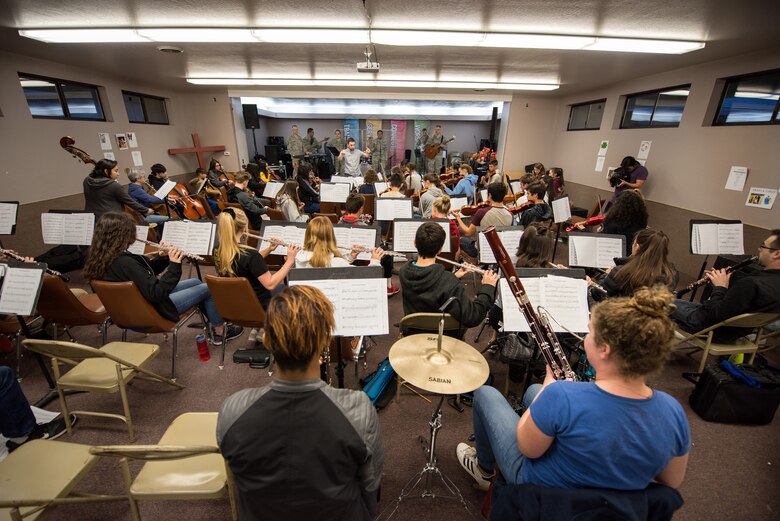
[541, 330]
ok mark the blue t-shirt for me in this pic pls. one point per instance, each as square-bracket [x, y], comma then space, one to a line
[603, 440]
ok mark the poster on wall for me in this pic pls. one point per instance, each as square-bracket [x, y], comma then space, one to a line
[105, 140]
[109, 155]
[351, 129]
[121, 141]
[761, 198]
[644, 150]
[600, 163]
[132, 139]
[737, 178]
[137, 159]
[603, 146]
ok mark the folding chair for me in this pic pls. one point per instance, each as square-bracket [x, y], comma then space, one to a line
[104, 370]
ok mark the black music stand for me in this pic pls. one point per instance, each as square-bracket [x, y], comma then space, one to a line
[691, 224]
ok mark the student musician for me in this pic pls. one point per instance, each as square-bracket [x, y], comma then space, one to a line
[252, 206]
[103, 193]
[137, 192]
[493, 174]
[613, 433]
[157, 279]
[413, 180]
[494, 213]
[433, 189]
[298, 448]
[441, 210]
[394, 188]
[427, 285]
[158, 175]
[212, 194]
[289, 203]
[466, 185]
[321, 251]
[540, 211]
[309, 195]
[368, 188]
[215, 171]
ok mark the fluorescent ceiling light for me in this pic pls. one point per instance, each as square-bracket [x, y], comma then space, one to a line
[210, 35]
[421, 38]
[83, 35]
[644, 45]
[537, 41]
[311, 35]
[325, 82]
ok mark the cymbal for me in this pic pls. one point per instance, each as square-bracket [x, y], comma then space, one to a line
[457, 369]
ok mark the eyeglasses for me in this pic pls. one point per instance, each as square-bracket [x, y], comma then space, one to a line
[768, 248]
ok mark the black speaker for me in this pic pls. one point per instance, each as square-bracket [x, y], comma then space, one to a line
[274, 154]
[276, 140]
[250, 116]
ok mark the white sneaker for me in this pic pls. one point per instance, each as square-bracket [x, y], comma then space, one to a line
[467, 457]
[252, 335]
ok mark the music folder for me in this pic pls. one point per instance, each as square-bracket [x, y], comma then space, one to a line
[404, 231]
[67, 227]
[286, 231]
[21, 287]
[716, 237]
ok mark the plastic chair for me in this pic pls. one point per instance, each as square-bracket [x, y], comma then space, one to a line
[129, 309]
[186, 464]
[104, 370]
[59, 305]
[751, 322]
[237, 304]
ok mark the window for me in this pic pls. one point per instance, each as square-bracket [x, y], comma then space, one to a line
[658, 108]
[750, 100]
[60, 99]
[142, 108]
[586, 116]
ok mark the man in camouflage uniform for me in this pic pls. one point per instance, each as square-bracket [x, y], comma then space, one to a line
[434, 165]
[378, 148]
[295, 147]
[339, 143]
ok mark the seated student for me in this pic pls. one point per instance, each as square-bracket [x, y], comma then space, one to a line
[137, 192]
[256, 183]
[102, 192]
[369, 179]
[288, 202]
[394, 188]
[109, 260]
[465, 185]
[215, 171]
[557, 189]
[413, 179]
[307, 193]
[17, 421]
[427, 285]
[252, 207]
[212, 194]
[158, 175]
[614, 433]
[494, 214]
[433, 190]
[321, 251]
[626, 216]
[755, 293]
[493, 174]
[299, 448]
[353, 209]
[441, 210]
[648, 265]
[540, 211]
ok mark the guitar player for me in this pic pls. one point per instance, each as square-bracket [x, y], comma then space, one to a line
[434, 164]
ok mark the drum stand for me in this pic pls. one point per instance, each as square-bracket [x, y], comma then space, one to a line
[429, 471]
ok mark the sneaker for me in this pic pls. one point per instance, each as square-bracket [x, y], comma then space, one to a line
[252, 335]
[467, 457]
[45, 431]
[260, 335]
[393, 290]
[232, 332]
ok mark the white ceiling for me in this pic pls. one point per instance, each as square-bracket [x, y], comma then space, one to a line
[729, 28]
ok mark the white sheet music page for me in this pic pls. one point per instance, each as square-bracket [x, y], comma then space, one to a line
[388, 209]
[514, 320]
[51, 227]
[521, 200]
[7, 217]
[272, 189]
[141, 232]
[510, 238]
[380, 186]
[288, 234]
[582, 251]
[405, 231]
[165, 189]
[192, 237]
[566, 299]
[704, 238]
[483, 194]
[20, 290]
[334, 192]
[730, 240]
[364, 236]
[77, 228]
[458, 201]
[517, 187]
[561, 209]
[607, 249]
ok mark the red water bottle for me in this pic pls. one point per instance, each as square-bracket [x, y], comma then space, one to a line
[203, 348]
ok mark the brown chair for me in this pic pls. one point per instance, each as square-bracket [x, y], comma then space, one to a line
[237, 304]
[275, 215]
[332, 216]
[10, 327]
[330, 207]
[60, 306]
[369, 204]
[128, 309]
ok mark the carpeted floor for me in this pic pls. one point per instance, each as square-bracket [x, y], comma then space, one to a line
[734, 471]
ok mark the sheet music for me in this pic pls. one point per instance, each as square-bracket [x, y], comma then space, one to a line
[334, 192]
[730, 239]
[404, 232]
[594, 250]
[380, 187]
[352, 181]
[510, 238]
[348, 236]
[360, 305]
[517, 187]
[141, 232]
[483, 194]
[20, 290]
[192, 237]
[68, 228]
[8, 213]
[521, 200]
[388, 209]
[458, 201]
[564, 298]
[288, 234]
[272, 189]
[561, 209]
[164, 190]
[717, 238]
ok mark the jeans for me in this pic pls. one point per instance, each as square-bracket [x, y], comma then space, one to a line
[469, 245]
[191, 292]
[157, 219]
[495, 430]
[16, 417]
[311, 209]
[686, 315]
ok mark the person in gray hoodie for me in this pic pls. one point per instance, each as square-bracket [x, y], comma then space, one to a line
[433, 190]
[103, 193]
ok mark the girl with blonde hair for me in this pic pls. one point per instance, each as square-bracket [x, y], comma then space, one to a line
[320, 249]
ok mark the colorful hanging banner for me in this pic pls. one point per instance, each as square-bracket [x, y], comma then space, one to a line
[419, 125]
[351, 129]
[397, 141]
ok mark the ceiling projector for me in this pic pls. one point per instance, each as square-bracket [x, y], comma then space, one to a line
[368, 65]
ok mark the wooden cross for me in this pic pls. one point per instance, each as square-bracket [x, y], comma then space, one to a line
[199, 150]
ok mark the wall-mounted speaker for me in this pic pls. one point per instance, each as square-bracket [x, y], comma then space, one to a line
[250, 116]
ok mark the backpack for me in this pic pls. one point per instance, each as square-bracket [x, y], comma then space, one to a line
[380, 386]
[64, 258]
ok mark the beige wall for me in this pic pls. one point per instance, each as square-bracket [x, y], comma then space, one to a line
[529, 132]
[35, 168]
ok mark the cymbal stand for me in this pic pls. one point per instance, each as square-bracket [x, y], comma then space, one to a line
[428, 473]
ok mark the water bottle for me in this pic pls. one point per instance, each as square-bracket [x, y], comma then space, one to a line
[203, 348]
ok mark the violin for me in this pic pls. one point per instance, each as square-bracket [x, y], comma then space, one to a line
[590, 221]
[520, 208]
[67, 143]
[471, 209]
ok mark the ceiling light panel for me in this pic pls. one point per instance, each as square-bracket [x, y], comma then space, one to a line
[327, 82]
[205, 35]
[83, 35]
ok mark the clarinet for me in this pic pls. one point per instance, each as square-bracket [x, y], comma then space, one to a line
[541, 330]
[50, 271]
[704, 280]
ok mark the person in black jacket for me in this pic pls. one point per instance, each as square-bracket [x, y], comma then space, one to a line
[157, 279]
[540, 211]
[251, 205]
[103, 193]
[215, 170]
[426, 285]
[309, 196]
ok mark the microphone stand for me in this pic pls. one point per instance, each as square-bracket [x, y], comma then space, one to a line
[453, 401]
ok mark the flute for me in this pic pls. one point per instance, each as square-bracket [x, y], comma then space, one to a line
[361, 249]
[190, 256]
[467, 267]
[18, 257]
[704, 280]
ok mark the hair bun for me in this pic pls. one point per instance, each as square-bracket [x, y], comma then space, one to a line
[655, 302]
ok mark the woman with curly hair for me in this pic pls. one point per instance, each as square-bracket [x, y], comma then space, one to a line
[615, 432]
[320, 249]
[368, 188]
[626, 217]
[157, 279]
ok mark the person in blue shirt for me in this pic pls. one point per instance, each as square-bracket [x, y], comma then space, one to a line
[138, 193]
[465, 185]
[615, 432]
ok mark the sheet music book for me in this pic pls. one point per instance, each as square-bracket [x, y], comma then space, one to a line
[458, 201]
[141, 232]
[288, 232]
[404, 231]
[517, 187]
[483, 194]
[595, 250]
[352, 181]
[561, 210]
[164, 190]
[334, 192]
[391, 208]
[348, 235]
[358, 295]
[565, 298]
[510, 238]
[521, 200]
[21, 287]
[67, 228]
[201, 185]
[272, 188]
[380, 186]
[716, 237]
[9, 211]
[191, 236]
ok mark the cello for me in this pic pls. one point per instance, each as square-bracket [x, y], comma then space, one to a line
[193, 208]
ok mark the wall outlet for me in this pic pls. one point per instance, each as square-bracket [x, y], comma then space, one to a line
[226, 153]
